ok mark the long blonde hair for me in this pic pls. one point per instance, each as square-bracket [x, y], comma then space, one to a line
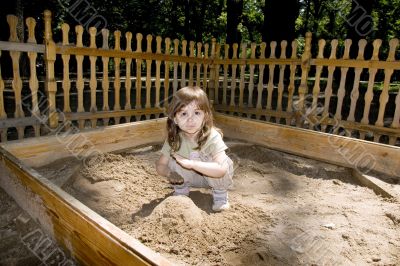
[182, 98]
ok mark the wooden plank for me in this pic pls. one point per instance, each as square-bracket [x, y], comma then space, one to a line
[23, 121]
[91, 239]
[378, 186]
[313, 120]
[330, 148]
[36, 152]
[22, 47]
[253, 111]
[356, 63]
[109, 114]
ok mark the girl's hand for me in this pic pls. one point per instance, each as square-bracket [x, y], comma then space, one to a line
[185, 163]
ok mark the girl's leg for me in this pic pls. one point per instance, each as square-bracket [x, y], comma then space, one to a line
[220, 188]
[191, 178]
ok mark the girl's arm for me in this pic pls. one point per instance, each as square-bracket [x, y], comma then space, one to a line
[217, 168]
[162, 166]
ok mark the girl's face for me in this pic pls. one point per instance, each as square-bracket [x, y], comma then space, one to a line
[190, 119]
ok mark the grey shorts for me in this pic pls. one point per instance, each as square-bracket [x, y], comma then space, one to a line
[195, 179]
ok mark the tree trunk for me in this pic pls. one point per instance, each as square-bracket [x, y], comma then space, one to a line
[360, 25]
[279, 20]
[187, 29]
[234, 10]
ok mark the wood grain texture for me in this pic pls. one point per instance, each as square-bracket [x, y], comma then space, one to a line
[44, 150]
[339, 150]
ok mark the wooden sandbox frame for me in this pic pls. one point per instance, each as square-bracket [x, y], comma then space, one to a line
[91, 239]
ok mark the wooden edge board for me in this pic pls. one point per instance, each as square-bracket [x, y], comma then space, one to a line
[90, 238]
[378, 186]
[349, 152]
[39, 151]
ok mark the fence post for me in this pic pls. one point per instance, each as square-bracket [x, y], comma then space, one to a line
[212, 82]
[303, 88]
[50, 58]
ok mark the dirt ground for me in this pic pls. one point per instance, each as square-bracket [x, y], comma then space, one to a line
[285, 210]
[23, 242]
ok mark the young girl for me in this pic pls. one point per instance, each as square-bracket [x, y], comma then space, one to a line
[194, 152]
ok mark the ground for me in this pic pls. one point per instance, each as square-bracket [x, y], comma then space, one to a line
[23, 242]
[285, 210]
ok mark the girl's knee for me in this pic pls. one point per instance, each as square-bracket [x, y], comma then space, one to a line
[224, 182]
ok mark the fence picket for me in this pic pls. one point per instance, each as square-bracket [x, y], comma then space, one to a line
[316, 89]
[183, 64]
[342, 90]
[205, 69]
[117, 76]
[216, 70]
[17, 81]
[270, 85]
[191, 64]
[198, 65]
[80, 85]
[260, 85]
[233, 78]
[243, 55]
[226, 68]
[253, 47]
[357, 73]
[384, 97]
[281, 76]
[176, 64]
[149, 39]
[291, 82]
[329, 89]
[158, 72]
[369, 94]
[33, 80]
[93, 79]
[105, 82]
[166, 72]
[3, 114]
[66, 83]
[128, 82]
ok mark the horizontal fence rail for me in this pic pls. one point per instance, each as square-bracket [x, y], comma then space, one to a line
[108, 79]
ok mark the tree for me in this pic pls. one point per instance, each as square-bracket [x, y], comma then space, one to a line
[279, 20]
[234, 9]
[360, 24]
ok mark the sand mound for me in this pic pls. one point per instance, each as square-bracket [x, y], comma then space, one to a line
[179, 212]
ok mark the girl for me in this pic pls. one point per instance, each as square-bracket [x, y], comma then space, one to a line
[194, 152]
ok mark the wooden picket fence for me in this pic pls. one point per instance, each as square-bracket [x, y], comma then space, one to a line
[101, 86]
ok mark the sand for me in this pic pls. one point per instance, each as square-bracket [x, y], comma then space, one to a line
[285, 210]
[23, 242]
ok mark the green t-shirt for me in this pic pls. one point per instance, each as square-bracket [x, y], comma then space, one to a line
[213, 145]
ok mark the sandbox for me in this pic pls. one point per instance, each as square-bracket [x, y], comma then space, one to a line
[287, 208]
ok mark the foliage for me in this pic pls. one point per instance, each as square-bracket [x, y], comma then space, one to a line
[201, 20]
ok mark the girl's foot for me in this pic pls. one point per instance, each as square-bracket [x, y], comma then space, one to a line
[220, 197]
[181, 190]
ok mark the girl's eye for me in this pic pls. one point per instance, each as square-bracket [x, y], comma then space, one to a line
[197, 113]
[183, 114]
